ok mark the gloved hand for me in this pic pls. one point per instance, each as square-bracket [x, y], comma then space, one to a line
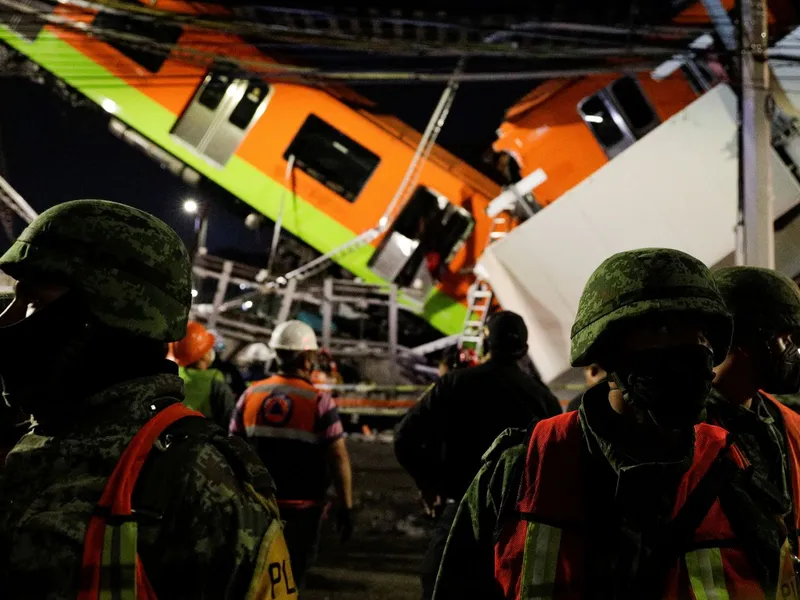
[344, 523]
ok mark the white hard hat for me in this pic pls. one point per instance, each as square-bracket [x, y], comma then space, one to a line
[293, 335]
[257, 352]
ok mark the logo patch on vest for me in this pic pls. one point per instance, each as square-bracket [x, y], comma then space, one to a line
[273, 578]
[277, 409]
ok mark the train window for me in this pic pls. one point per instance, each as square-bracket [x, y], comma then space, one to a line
[151, 59]
[600, 120]
[634, 105]
[329, 156]
[216, 84]
[247, 108]
[424, 237]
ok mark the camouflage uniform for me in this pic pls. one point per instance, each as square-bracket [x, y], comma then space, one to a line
[204, 503]
[631, 498]
[764, 303]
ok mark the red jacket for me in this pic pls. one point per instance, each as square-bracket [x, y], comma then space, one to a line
[541, 554]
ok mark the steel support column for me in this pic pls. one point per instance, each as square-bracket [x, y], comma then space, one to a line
[286, 302]
[758, 216]
[327, 311]
[393, 331]
[219, 295]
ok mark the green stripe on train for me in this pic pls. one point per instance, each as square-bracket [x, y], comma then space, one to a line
[239, 177]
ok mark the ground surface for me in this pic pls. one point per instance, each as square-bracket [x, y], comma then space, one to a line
[382, 560]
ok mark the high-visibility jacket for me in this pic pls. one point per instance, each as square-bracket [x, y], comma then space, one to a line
[541, 553]
[791, 425]
[197, 388]
[111, 567]
[278, 416]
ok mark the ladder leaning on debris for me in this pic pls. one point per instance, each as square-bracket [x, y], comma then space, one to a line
[479, 296]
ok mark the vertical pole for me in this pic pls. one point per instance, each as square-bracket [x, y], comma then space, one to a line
[219, 295]
[286, 303]
[393, 332]
[327, 311]
[755, 153]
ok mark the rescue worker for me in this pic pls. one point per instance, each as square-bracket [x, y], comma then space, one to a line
[204, 388]
[297, 432]
[763, 360]
[326, 371]
[119, 490]
[441, 439]
[593, 374]
[626, 497]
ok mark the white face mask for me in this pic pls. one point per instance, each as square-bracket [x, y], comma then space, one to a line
[212, 356]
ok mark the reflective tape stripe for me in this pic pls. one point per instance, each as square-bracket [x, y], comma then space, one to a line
[118, 567]
[540, 561]
[265, 431]
[282, 388]
[706, 574]
[787, 580]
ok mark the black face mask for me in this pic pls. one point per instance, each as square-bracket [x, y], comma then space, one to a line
[42, 349]
[669, 384]
[781, 370]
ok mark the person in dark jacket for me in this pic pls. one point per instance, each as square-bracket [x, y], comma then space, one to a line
[441, 440]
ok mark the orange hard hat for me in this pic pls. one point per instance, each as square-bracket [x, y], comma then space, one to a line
[194, 346]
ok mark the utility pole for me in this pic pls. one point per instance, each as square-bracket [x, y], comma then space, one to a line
[757, 218]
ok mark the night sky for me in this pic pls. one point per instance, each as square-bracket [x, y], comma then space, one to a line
[53, 153]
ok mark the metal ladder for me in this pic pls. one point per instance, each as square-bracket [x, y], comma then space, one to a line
[479, 296]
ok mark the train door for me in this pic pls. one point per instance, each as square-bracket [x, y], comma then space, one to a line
[221, 114]
[423, 240]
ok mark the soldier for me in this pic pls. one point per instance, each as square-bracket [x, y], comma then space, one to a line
[763, 360]
[119, 490]
[593, 374]
[626, 497]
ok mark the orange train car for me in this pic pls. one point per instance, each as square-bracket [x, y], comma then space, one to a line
[191, 93]
[570, 128]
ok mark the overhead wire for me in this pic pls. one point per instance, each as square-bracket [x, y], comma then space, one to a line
[204, 58]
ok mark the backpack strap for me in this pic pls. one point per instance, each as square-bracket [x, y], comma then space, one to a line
[175, 449]
[171, 453]
[111, 564]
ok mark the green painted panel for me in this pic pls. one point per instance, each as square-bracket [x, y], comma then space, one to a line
[239, 177]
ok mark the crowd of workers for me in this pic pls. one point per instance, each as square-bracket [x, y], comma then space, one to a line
[675, 475]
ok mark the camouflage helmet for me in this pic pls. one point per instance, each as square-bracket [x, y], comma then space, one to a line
[630, 285]
[132, 268]
[761, 300]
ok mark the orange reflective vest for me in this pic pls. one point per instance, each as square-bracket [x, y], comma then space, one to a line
[111, 567]
[791, 425]
[541, 553]
[279, 416]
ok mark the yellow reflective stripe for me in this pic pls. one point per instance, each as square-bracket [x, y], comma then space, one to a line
[787, 580]
[106, 593]
[118, 566]
[706, 574]
[126, 560]
[540, 561]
